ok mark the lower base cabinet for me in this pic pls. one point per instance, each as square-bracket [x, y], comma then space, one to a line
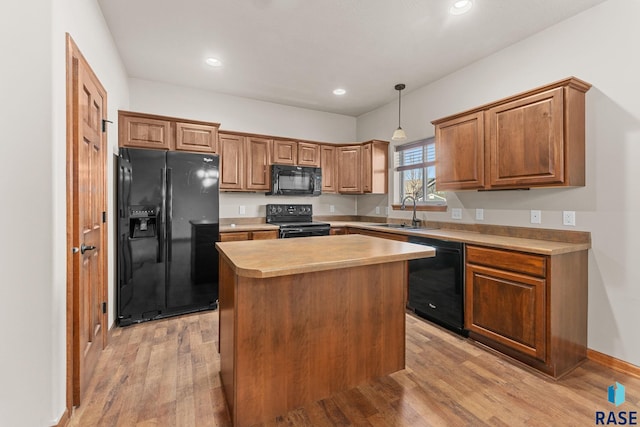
[233, 236]
[528, 306]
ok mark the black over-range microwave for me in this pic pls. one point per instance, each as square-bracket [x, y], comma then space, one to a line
[288, 180]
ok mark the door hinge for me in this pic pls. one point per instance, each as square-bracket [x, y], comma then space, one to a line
[104, 216]
[104, 308]
[104, 124]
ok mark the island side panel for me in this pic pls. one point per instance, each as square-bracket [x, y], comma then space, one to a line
[303, 337]
[226, 324]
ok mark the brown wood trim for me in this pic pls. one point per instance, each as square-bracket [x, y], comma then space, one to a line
[427, 208]
[169, 118]
[64, 419]
[569, 81]
[71, 50]
[613, 363]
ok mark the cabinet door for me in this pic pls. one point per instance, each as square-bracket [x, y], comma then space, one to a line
[308, 154]
[257, 163]
[231, 162]
[235, 236]
[375, 176]
[460, 153]
[349, 169]
[329, 170]
[526, 141]
[382, 234]
[507, 307]
[196, 137]
[144, 132]
[285, 152]
[264, 234]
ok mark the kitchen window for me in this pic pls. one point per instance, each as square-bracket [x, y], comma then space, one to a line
[415, 167]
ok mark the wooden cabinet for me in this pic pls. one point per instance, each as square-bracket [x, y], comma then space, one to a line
[138, 130]
[196, 137]
[244, 162]
[308, 154]
[375, 164]
[350, 169]
[234, 236]
[232, 160]
[338, 231]
[329, 170]
[141, 131]
[284, 152]
[257, 161]
[528, 306]
[460, 153]
[534, 139]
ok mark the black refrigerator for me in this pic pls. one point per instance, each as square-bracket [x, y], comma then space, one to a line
[167, 229]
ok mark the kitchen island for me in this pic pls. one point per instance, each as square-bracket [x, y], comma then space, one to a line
[302, 319]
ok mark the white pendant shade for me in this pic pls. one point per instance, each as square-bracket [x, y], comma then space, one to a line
[399, 135]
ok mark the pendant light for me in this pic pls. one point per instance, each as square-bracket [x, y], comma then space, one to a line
[399, 134]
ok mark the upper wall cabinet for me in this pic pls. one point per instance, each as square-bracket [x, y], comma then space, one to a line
[285, 152]
[244, 162]
[138, 130]
[308, 154]
[329, 168]
[534, 139]
[375, 164]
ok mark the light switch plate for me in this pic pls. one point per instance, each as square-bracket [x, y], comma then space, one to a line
[536, 217]
[332, 208]
[479, 214]
[242, 210]
[456, 213]
[569, 218]
[377, 210]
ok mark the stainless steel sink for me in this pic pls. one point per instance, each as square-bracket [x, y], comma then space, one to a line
[400, 226]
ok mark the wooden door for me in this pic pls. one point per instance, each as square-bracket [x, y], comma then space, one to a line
[329, 170]
[196, 137]
[349, 167]
[526, 140]
[308, 154]
[285, 152]
[257, 163]
[144, 132]
[87, 150]
[231, 161]
[460, 153]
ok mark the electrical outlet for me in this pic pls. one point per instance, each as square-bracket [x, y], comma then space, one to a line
[456, 213]
[536, 217]
[377, 210]
[242, 210]
[386, 210]
[332, 208]
[479, 214]
[569, 218]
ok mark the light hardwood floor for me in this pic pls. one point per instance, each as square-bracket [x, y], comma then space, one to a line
[165, 373]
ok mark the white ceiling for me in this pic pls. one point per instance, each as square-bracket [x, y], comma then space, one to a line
[295, 52]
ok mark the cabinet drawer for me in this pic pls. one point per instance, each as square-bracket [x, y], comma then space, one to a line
[264, 235]
[235, 236]
[533, 265]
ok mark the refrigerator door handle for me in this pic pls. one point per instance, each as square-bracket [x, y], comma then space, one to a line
[169, 209]
[161, 215]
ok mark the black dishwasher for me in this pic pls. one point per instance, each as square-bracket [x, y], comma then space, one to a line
[436, 290]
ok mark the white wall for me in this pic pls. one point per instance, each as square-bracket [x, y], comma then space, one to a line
[596, 46]
[246, 115]
[33, 192]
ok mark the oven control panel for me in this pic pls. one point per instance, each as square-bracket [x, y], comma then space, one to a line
[277, 212]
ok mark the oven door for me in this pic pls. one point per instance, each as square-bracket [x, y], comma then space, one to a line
[289, 232]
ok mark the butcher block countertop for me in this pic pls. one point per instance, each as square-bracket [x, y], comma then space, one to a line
[282, 257]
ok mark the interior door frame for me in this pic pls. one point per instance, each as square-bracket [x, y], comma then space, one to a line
[73, 56]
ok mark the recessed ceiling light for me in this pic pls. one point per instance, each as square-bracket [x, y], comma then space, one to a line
[339, 91]
[214, 62]
[461, 6]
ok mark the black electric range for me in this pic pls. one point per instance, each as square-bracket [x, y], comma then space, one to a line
[296, 221]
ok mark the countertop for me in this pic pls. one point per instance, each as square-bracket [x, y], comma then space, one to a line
[537, 246]
[542, 247]
[282, 257]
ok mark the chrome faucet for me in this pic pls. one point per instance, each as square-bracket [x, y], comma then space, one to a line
[414, 220]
